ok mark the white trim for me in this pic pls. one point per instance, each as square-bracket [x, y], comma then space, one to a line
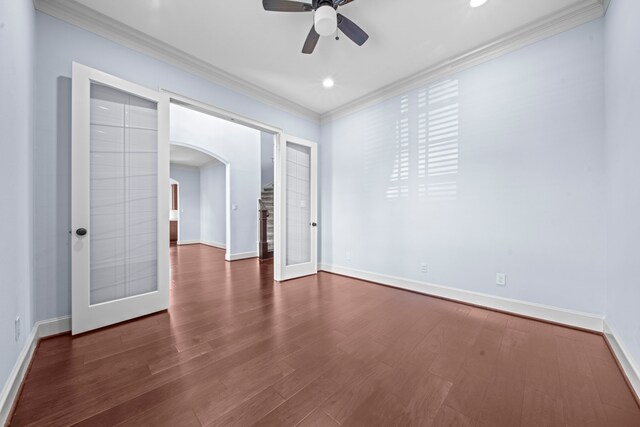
[220, 113]
[187, 242]
[552, 314]
[548, 26]
[629, 365]
[10, 390]
[84, 17]
[12, 386]
[278, 178]
[201, 242]
[54, 326]
[213, 244]
[242, 255]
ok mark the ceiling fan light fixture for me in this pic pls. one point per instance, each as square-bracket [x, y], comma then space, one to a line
[325, 20]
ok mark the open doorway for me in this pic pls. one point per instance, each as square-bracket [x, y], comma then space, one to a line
[286, 230]
[198, 191]
[219, 163]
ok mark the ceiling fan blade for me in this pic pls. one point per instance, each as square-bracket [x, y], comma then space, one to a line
[311, 42]
[341, 2]
[351, 30]
[286, 6]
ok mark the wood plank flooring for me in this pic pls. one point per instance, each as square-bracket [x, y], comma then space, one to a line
[235, 348]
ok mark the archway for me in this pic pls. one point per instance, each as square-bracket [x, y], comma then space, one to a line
[201, 164]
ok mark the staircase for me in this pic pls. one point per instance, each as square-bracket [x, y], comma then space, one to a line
[267, 200]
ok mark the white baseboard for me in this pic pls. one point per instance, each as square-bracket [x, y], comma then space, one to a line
[228, 257]
[10, 390]
[243, 255]
[629, 365]
[552, 314]
[201, 242]
[187, 242]
[214, 244]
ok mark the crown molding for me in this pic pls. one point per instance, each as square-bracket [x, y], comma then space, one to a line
[548, 26]
[98, 23]
[77, 14]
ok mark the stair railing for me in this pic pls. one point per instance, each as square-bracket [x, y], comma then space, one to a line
[263, 244]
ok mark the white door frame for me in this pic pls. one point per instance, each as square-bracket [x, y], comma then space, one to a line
[278, 135]
[85, 316]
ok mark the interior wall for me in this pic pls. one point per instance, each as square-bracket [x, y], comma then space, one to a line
[239, 146]
[213, 203]
[622, 68]
[58, 44]
[16, 128]
[498, 169]
[188, 202]
[267, 176]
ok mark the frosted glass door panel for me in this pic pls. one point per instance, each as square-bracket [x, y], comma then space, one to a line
[123, 195]
[298, 207]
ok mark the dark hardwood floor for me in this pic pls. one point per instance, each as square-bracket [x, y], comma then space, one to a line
[237, 349]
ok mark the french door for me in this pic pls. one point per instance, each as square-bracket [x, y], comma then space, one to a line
[296, 208]
[120, 202]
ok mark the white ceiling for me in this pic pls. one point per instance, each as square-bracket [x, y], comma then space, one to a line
[263, 48]
[188, 156]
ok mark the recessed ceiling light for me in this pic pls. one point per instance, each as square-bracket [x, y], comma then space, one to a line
[477, 3]
[328, 83]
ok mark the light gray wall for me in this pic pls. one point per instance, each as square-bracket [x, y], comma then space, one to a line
[188, 178]
[238, 146]
[622, 65]
[213, 203]
[57, 45]
[266, 159]
[528, 196]
[16, 130]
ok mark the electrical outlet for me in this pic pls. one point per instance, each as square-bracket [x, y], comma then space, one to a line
[348, 256]
[17, 328]
[501, 279]
[424, 268]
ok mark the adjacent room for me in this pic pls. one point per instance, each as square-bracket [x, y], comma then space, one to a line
[320, 213]
[219, 169]
[199, 204]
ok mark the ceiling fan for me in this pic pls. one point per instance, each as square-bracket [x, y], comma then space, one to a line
[326, 19]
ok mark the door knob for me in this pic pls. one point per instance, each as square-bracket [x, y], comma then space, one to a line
[313, 224]
[81, 231]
